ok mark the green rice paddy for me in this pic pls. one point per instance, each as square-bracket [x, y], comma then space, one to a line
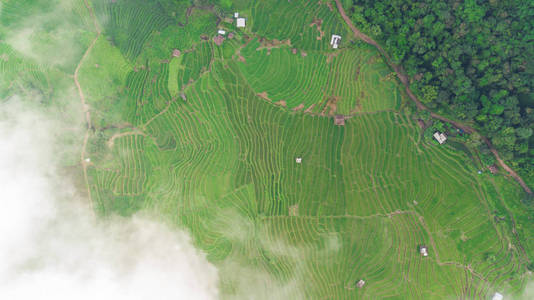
[208, 140]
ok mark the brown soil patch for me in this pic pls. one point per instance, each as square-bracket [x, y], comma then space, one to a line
[241, 58]
[309, 109]
[238, 51]
[218, 39]
[330, 56]
[299, 107]
[204, 37]
[389, 77]
[264, 96]
[176, 53]
[317, 23]
[231, 35]
[329, 6]
[421, 124]
[303, 54]
[294, 50]
[270, 44]
[331, 106]
[282, 103]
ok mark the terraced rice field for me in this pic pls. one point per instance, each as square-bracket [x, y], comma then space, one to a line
[335, 82]
[208, 140]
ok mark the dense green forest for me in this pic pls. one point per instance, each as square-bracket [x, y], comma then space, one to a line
[471, 60]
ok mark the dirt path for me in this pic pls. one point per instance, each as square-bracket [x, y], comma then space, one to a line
[404, 80]
[85, 107]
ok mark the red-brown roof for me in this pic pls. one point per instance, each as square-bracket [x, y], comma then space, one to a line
[339, 120]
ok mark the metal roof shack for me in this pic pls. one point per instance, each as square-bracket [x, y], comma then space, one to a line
[241, 22]
[360, 283]
[440, 137]
[423, 250]
[339, 120]
[334, 41]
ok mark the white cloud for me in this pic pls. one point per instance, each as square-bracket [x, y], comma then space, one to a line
[52, 247]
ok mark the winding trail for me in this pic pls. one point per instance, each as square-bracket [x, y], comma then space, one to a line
[85, 107]
[404, 80]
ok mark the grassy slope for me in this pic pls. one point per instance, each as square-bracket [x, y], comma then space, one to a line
[222, 163]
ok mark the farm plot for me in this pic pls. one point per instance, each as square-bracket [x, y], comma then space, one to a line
[357, 207]
[346, 82]
[307, 24]
[129, 24]
[202, 148]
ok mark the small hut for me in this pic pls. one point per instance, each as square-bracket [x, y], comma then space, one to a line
[334, 41]
[423, 250]
[360, 283]
[339, 120]
[440, 137]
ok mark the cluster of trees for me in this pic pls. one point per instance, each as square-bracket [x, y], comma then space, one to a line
[472, 60]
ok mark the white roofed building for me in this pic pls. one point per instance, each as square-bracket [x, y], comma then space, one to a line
[241, 22]
[334, 41]
[221, 32]
[440, 137]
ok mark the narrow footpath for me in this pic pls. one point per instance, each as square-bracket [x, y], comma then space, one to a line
[85, 107]
[404, 80]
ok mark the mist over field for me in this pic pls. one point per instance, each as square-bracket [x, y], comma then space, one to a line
[51, 244]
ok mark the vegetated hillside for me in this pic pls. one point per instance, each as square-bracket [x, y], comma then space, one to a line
[208, 135]
[181, 127]
[469, 59]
